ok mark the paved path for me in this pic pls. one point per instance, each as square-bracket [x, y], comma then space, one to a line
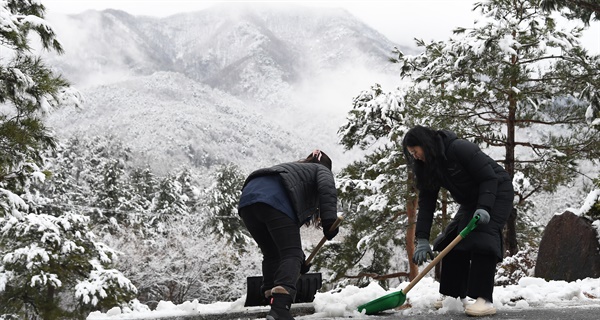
[589, 311]
[574, 313]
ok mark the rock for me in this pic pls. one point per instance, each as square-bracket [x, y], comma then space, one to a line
[569, 249]
[152, 305]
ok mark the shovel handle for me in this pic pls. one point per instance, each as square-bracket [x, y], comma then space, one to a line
[465, 232]
[322, 242]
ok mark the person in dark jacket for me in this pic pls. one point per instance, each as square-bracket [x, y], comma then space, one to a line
[439, 159]
[274, 204]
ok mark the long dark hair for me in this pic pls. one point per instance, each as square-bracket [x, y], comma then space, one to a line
[428, 173]
[317, 156]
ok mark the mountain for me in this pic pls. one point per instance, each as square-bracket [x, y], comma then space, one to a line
[235, 82]
[168, 119]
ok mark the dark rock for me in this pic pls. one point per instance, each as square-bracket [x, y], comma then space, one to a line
[569, 249]
[152, 305]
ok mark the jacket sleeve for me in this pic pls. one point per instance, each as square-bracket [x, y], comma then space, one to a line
[327, 193]
[427, 203]
[478, 165]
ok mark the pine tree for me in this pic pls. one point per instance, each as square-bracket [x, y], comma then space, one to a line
[91, 174]
[379, 188]
[144, 186]
[112, 193]
[222, 200]
[186, 179]
[515, 70]
[168, 205]
[51, 266]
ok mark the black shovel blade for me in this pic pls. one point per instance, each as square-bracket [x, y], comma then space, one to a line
[306, 288]
[253, 295]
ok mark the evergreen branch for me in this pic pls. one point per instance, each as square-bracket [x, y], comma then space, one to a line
[551, 123]
[532, 145]
[543, 58]
[531, 193]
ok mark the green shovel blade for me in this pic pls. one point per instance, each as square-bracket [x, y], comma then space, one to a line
[386, 302]
[396, 299]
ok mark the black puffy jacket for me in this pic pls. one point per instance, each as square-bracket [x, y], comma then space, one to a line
[474, 180]
[310, 187]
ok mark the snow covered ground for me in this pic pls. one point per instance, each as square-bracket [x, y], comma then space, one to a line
[529, 293]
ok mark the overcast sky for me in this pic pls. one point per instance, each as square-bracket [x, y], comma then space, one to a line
[399, 20]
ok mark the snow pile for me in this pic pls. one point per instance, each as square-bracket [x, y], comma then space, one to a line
[529, 293]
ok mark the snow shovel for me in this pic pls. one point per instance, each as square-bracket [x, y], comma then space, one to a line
[396, 299]
[306, 287]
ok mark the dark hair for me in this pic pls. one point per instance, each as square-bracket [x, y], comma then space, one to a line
[428, 173]
[318, 156]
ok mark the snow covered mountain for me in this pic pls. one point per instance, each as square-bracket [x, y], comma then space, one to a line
[248, 83]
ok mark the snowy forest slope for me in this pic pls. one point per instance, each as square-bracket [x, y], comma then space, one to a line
[261, 76]
[168, 119]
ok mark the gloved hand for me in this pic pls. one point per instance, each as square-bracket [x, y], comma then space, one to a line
[304, 268]
[326, 225]
[484, 216]
[421, 251]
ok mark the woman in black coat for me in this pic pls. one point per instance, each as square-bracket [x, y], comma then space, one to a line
[274, 204]
[480, 186]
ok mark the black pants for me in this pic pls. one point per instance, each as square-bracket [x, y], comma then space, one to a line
[466, 273]
[278, 238]
[469, 269]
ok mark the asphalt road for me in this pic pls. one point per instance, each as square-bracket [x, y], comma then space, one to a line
[578, 313]
[306, 312]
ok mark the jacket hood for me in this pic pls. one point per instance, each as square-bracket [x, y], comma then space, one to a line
[447, 135]
[445, 139]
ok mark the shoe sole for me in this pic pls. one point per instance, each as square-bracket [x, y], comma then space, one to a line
[482, 313]
[439, 304]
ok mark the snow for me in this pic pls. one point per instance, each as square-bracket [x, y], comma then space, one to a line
[528, 293]
[590, 200]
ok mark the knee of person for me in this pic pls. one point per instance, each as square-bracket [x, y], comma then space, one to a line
[271, 257]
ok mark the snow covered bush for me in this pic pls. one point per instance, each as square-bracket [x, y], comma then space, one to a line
[517, 266]
[47, 260]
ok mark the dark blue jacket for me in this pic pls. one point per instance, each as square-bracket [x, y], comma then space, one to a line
[269, 190]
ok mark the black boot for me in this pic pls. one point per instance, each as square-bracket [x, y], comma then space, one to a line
[280, 307]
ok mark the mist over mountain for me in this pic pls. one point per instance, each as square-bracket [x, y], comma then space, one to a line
[251, 84]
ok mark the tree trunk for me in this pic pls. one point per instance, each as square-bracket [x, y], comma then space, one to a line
[411, 211]
[47, 308]
[445, 219]
[510, 234]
